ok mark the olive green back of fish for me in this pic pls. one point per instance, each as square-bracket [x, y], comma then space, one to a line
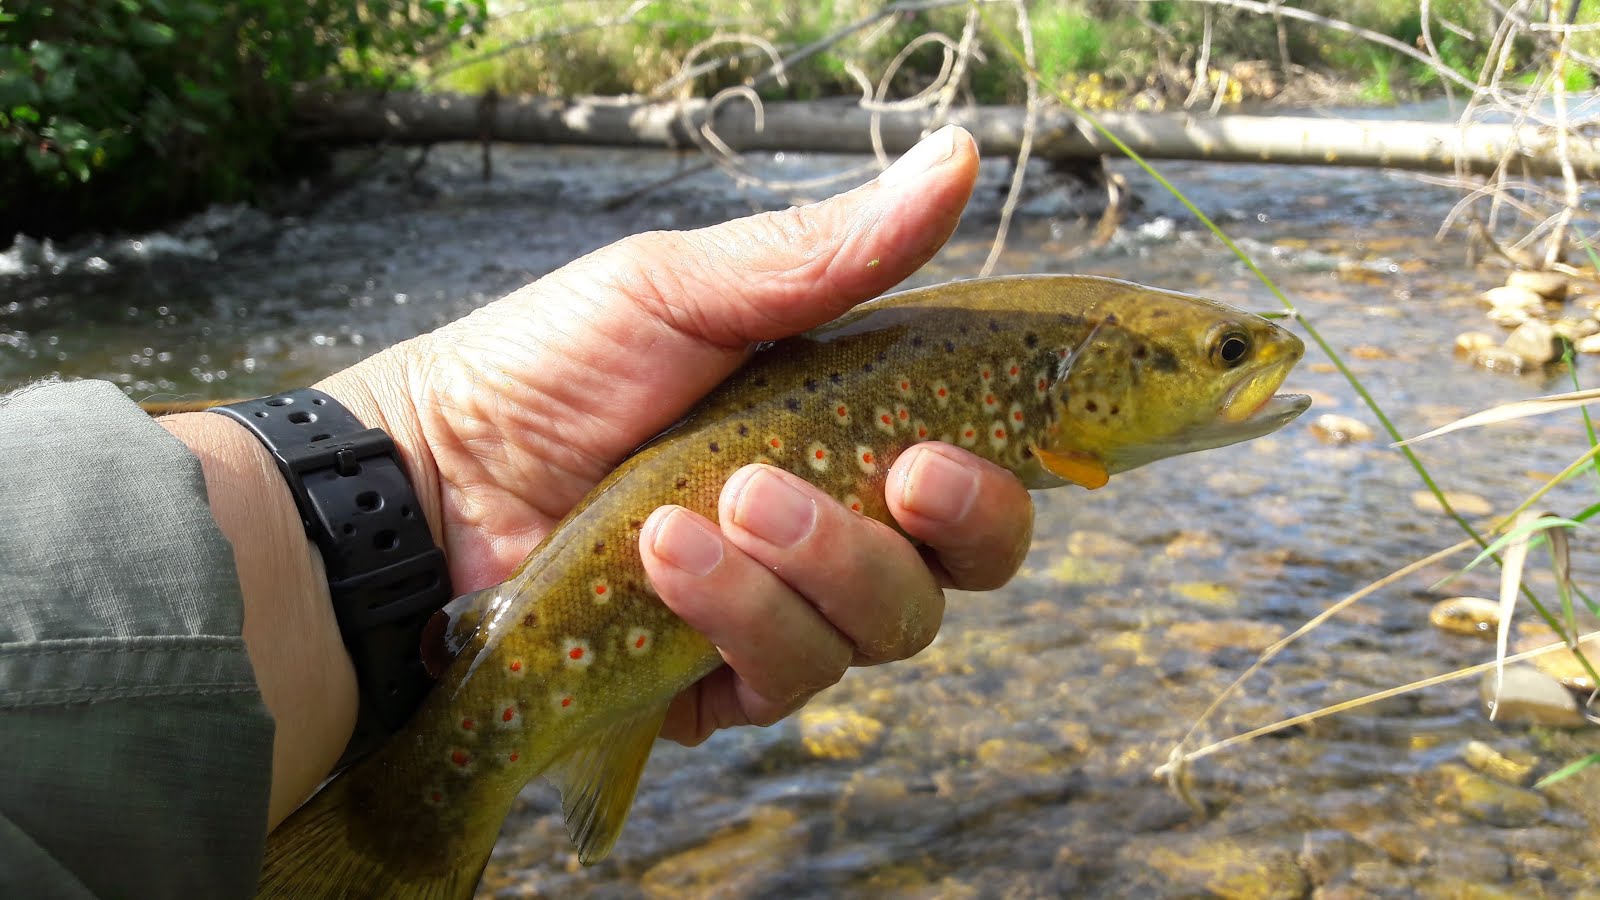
[566, 669]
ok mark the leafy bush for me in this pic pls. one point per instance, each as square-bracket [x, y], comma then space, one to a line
[128, 111]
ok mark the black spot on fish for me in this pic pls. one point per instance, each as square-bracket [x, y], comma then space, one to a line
[1115, 410]
[1030, 340]
[1165, 360]
[793, 403]
[743, 429]
[715, 447]
[835, 377]
[994, 326]
[1027, 452]
[530, 620]
[882, 356]
[599, 546]
[681, 483]
[1111, 318]
[1140, 352]
[759, 382]
[636, 524]
[811, 385]
[916, 340]
[949, 346]
[866, 367]
[1091, 406]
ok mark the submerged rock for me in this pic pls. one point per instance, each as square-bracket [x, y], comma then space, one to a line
[838, 733]
[1471, 616]
[1332, 428]
[736, 861]
[1227, 868]
[1483, 798]
[1499, 359]
[1495, 764]
[1461, 501]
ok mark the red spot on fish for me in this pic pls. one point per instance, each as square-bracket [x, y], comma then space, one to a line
[516, 665]
[436, 796]
[905, 385]
[843, 411]
[599, 589]
[988, 399]
[466, 724]
[886, 420]
[866, 457]
[640, 642]
[460, 758]
[943, 392]
[1017, 415]
[856, 506]
[1015, 371]
[509, 714]
[514, 757]
[987, 375]
[904, 415]
[1061, 354]
[999, 432]
[922, 431]
[1043, 384]
[775, 443]
[822, 454]
[969, 433]
[576, 653]
[566, 702]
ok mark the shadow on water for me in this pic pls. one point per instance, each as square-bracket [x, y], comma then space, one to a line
[1013, 757]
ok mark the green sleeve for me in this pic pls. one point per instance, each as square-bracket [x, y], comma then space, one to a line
[137, 751]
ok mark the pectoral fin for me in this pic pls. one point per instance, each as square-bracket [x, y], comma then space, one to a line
[598, 779]
[1082, 469]
[454, 625]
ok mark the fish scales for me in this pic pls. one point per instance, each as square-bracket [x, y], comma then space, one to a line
[566, 667]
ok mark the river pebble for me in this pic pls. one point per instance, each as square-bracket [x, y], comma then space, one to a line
[1529, 697]
[1495, 764]
[1562, 665]
[1332, 428]
[1473, 341]
[1536, 342]
[1471, 616]
[1499, 359]
[735, 862]
[1461, 501]
[1548, 285]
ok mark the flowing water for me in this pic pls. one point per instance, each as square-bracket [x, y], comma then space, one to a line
[1013, 758]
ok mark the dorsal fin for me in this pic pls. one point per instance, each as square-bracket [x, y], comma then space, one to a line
[453, 626]
[598, 778]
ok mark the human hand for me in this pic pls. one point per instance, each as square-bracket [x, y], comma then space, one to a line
[509, 416]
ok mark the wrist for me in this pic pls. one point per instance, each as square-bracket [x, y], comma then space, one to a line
[302, 669]
[378, 394]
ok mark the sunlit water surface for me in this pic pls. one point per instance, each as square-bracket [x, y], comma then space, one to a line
[1013, 758]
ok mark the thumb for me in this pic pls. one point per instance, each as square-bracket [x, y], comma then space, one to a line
[779, 273]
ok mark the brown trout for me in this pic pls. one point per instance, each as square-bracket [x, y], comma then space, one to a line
[566, 668]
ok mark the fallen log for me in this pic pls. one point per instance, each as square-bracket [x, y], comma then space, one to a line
[842, 126]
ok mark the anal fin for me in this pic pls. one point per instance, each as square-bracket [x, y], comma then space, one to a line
[598, 778]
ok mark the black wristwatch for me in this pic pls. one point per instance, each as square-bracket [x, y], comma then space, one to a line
[386, 575]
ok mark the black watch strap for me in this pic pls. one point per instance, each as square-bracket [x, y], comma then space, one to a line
[386, 576]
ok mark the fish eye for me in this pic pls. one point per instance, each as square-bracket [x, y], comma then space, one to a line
[1230, 349]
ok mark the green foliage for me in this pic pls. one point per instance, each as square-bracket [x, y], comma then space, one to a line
[127, 111]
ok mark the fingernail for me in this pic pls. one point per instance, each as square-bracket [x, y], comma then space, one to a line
[938, 487]
[929, 152]
[687, 543]
[773, 510]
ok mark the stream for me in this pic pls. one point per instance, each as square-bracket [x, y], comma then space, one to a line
[1012, 758]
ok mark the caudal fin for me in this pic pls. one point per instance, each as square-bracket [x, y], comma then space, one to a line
[314, 855]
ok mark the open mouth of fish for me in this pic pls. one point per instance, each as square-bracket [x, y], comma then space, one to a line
[1252, 407]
